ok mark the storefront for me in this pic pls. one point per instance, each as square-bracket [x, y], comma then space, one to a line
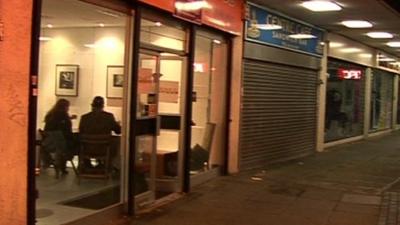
[360, 88]
[344, 115]
[282, 58]
[173, 116]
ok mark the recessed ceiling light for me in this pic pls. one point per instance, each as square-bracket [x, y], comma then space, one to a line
[379, 35]
[49, 25]
[89, 45]
[45, 38]
[109, 13]
[217, 41]
[350, 50]
[268, 27]
[356, 23]
[394, 44]
[335, 44]
[365, 55]
[302, 36]
[386, 60]
[158, 24]
[321, 6]
[101, 24]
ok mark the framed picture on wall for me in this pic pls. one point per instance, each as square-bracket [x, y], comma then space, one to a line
[115, 81]
[67, 79]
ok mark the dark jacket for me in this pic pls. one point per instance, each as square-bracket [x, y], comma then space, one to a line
[98, 122]
[59, 122]
[58, 132]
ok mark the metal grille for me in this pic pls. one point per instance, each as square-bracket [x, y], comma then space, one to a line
[279, 113]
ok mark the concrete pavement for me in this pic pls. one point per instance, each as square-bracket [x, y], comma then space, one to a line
[352, 184]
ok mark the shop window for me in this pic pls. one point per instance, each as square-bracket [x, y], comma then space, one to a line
[209, 103]
[82, 55]
[344, 101]
[381, 100]
[163, 35]
[398, 105]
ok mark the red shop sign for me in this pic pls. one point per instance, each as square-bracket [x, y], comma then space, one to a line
[168, 5]
[349, 74]
[224, 15]
[190, 9]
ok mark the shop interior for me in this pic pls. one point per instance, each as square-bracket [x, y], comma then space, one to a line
[82, 55]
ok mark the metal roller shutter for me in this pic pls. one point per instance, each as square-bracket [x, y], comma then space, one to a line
[279, 113]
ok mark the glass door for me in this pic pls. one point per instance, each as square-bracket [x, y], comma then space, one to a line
[159, 126]
[147, 127]
[160, 113]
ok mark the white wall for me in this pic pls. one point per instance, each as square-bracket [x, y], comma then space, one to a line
[67, 47]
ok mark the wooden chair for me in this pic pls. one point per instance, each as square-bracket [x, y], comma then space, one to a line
[95, 147]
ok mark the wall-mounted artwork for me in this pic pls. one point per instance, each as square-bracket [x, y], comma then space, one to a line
[67, 80]
[115, 81]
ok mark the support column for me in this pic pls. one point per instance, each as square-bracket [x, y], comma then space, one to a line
[395, 101]
[321, 100]
[367, 105]
[15, 45]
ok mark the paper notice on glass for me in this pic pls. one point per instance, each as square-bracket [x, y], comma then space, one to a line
[145, 84]
[169, 91]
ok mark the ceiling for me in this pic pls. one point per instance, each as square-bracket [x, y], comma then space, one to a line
[383, 17]
[73, 13]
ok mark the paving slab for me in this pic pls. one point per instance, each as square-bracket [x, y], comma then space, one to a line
[351, 184]
[362, 199]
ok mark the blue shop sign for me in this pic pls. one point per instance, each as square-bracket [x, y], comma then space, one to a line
[269, 28]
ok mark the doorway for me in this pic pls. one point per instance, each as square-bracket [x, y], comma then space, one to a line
[159, 125]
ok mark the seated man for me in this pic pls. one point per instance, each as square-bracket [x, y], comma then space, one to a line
[98, 122]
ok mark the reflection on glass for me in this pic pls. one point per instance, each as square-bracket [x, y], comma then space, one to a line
[398, 105]
[144, 151]
[381, 100]
[147, 97]
[162, 35]
[147, 86]
[208, 103]
[344, 102]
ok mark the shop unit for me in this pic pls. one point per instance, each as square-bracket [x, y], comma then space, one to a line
[361, 92]
[280, 84]
[345, 100]
[165, 72]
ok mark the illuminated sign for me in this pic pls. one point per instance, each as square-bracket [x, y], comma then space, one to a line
[224, 15]
[267, 27]
[348, 74]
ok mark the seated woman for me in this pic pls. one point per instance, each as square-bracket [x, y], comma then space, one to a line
[58, 136]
